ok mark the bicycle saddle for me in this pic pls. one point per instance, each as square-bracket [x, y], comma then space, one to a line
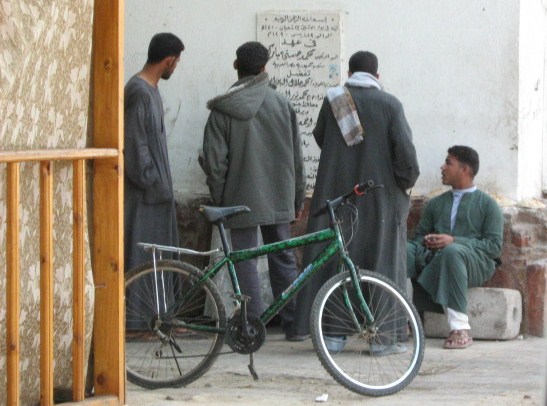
[218, 214]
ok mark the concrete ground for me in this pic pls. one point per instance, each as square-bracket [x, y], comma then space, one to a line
[487, 373]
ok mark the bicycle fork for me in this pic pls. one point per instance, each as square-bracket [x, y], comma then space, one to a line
[370, 323]
[344, 259]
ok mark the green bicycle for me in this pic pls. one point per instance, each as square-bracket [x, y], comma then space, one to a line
[176, 323]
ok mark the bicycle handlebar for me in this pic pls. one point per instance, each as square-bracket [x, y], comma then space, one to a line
[363, 188]
[360, 189]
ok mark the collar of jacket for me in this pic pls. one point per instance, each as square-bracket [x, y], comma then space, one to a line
[238, 87]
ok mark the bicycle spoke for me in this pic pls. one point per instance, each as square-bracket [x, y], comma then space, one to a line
[378, 358]
[162, 350]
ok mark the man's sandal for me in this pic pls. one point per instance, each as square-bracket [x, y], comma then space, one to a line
[457, 340]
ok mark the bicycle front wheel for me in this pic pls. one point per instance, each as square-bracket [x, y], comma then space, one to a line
[370, 358]
[174, 330]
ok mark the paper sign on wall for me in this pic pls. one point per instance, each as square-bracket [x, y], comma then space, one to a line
[305, 59]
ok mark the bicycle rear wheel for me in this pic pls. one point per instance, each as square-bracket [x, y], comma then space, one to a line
[160, 352]
[374, 360]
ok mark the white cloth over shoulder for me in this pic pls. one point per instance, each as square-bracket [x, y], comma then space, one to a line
[344, 109]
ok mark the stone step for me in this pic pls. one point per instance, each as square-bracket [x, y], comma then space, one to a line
[494, 314]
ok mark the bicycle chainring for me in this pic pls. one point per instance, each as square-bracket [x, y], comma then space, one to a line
[238, 341]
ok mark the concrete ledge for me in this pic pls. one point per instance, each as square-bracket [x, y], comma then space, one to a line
[96, 401]
[494, 314]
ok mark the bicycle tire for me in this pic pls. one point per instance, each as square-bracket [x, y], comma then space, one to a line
[372, 361]
[182, 355]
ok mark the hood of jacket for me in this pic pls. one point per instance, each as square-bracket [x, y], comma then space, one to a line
[243, 99]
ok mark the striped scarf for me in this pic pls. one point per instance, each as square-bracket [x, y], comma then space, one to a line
[344, 109]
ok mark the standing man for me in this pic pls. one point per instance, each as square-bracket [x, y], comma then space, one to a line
[149, 210]
[252, 156]
[457, 245]
[363, 134]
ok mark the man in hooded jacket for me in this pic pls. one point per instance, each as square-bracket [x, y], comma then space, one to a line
[252, 156]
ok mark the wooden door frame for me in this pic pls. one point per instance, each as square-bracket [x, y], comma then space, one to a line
[108, 263]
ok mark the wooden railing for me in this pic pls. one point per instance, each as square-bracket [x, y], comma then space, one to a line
[106, 102]
[109, 371]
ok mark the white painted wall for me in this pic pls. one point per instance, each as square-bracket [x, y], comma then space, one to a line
[531, 96]
[544, 176]
[454, 64]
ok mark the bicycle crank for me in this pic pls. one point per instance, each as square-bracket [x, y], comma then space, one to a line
[241, 341]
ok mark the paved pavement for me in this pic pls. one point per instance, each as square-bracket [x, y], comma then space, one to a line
[487, 373]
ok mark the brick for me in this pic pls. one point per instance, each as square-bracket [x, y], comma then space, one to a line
[494, 313]
[534, 305]
[521, 238]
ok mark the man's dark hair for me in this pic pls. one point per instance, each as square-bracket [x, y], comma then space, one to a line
[163, 45]
[363, 61]
[251, 58]
[467, 156]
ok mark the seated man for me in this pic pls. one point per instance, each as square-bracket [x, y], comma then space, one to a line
[457, 245]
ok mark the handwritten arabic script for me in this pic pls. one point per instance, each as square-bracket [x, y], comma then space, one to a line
[305, 60]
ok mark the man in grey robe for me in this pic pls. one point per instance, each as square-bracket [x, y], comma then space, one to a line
[149, 207]
[377, 147]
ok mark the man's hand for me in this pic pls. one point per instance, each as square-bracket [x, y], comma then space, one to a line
[297, 216]
[437, 241]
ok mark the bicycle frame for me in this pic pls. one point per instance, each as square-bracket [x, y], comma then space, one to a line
[336, 245]
[186, 312]
[325, 255]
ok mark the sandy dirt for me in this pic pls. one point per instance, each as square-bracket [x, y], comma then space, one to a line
[487, 373]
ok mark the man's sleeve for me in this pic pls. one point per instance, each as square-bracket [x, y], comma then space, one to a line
[215, 155]
[299, 169]
[320, 125]
[417, 253]
[425, 225]
[491, 239]
[138, 162]
[405, 161]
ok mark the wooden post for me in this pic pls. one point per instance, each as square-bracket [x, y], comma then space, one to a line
[78, 281]
[13, 285]
[108, 265]
[46, 283]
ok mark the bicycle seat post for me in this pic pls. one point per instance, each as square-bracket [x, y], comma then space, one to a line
[223, 239]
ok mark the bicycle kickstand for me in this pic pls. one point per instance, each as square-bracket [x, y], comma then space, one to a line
[252, 367]
[245, 330]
